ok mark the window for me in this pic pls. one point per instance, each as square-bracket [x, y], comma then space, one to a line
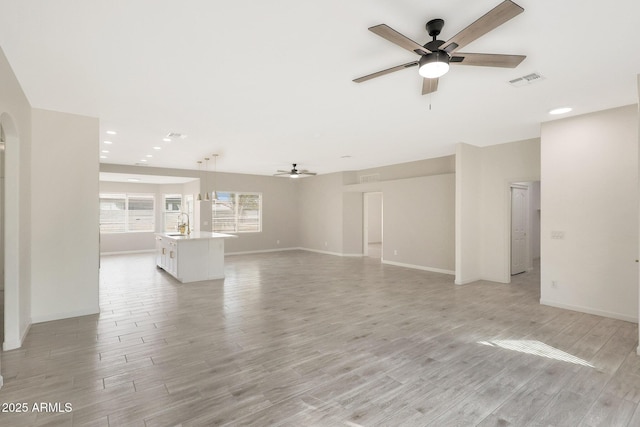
[237, 212]
[172, 209]
[122, 213]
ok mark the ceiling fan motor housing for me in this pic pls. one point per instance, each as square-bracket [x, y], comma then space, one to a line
[434, 27]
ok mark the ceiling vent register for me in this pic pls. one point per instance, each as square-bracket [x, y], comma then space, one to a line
[526, 80]
[374, 177]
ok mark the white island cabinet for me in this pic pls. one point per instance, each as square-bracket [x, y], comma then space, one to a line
[192, 257]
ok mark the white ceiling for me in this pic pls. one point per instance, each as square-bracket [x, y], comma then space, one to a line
[267, 84]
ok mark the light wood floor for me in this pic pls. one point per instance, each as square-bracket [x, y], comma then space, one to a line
[304, 339]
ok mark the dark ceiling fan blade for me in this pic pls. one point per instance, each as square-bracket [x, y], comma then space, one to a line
[282, 173]
[429, 86]
[491, 20]
[307, 173]
[487, 59]
[395, 37]
[387, 71]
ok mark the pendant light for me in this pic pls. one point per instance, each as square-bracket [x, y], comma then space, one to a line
[199, 173]
[206, 178]
[215, 174]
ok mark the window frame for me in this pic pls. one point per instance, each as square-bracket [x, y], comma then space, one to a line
[165, 212]
[236, 217]
[126, 197]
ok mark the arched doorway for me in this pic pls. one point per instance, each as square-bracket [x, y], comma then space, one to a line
[10, 206]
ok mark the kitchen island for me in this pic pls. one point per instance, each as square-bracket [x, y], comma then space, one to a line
[192, 257]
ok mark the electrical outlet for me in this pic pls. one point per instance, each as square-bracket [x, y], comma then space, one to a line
[325, 244]
[557, 235]
[277, 242]
[395, 252]
[554, 284]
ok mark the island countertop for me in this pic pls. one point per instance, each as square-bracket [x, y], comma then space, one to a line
[192, 257]
[196, 235]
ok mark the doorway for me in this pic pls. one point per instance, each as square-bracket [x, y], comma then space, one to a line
[15, 316]
[372, 233]
[2, 227]
[525, 226]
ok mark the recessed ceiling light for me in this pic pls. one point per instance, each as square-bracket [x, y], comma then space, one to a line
[166, 139]
[112, 132]
[133, 180]
[103, 157]
[157, 148]
[149, 155]
[105, 151]
[143, 160]
[561, 110]
[107, 142]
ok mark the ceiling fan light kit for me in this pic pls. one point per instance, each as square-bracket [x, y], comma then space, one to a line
[436, 55]
[434, 64]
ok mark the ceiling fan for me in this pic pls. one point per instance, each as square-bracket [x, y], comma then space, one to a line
[436, 55]
[294, 172]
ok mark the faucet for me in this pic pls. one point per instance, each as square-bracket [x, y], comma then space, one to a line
[182, 224]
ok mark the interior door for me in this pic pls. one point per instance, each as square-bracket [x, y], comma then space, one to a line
[519, 241]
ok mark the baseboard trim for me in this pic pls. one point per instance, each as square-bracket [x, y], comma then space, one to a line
[330, 253]
[12, 345]
[588, 310]
[261, 251]
[419, 267]
[465, 282]
[142, 251]
[68, 315]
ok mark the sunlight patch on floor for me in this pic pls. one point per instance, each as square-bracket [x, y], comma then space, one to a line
[537, 348]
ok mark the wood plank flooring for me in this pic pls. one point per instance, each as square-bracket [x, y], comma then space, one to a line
[303, 339]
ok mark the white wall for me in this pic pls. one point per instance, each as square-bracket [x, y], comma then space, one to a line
[64, 244]
[483, 178]
[419, 222]
[374, 217]
[468, 243]
[535, 214]
[501, 165]
[320, 208]
[590, 194]
[15, 115]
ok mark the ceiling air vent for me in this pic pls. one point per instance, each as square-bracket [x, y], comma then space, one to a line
[374, 177]
[526, 80]
[176, 135]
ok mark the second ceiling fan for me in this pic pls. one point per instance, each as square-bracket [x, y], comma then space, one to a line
[436, 55]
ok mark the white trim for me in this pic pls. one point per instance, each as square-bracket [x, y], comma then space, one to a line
[588, 310]
[1, 381]
[419, 267]
[142, 251]
[466, 282]
[260, 251]
[12, 345]
[330, 253]
[59, 316]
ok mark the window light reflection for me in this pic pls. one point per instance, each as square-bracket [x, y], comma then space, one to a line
[537, 348]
